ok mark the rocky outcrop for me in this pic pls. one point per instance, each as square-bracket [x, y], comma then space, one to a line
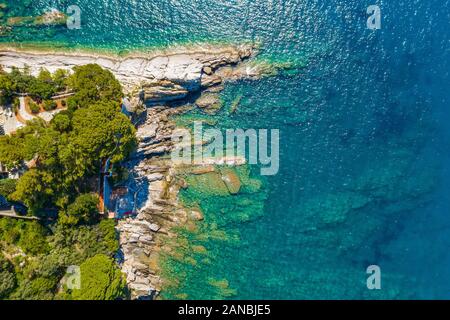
[231, 180]
[152, 79]
[163, 91]
[141, 237]
[139, 240]
[209, 102]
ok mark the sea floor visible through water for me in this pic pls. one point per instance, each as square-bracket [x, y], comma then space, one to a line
[364, 157]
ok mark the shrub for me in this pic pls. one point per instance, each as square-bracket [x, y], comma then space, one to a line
[10, 230]
[7, 283]
[34, 107]
[15, 105]
[63, 103]
[109, 235]
[49, 105]
[4, 100]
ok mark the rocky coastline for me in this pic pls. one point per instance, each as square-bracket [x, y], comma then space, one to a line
[154, 78]
[142, 238]
[157, 88]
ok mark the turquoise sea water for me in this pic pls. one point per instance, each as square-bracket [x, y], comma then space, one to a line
[364, 142]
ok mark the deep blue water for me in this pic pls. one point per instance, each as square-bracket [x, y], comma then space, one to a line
[363, 118]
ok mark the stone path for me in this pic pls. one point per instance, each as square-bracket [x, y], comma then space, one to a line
[23, 112]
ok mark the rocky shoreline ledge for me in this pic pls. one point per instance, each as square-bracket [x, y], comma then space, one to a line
[142, 238]
[152, 79]
[157, 87]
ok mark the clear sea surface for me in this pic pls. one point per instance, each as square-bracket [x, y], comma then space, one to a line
[364, 142]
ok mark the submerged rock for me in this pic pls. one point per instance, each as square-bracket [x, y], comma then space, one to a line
[158, 210]
[231, 180]
[209, 102]
[196, 214]
[5, 30]
[52, 17]
[209, 183]
[49, 18]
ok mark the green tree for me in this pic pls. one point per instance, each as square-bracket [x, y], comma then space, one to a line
[60, 79]
[100, 280]
[43, 86]
[45, 76]
[21, 80]
[83, 210]
[93, 84]
[33, 239]
[61, 122]
[102, 131]
[11, 151]
[7, 277]
[35, 289]
[7, 187]
[22, 145]
[35, 190]
[6, 87]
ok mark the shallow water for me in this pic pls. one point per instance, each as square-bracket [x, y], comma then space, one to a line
[364, 157]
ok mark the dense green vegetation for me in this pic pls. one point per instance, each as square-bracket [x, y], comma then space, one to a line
[100, 280]
[68, 152]
[7, 277]
[49, 105]
[61, 160]
[38, 257]
[7, 187]
[93, 84]
[42, 87]
[82, 210]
